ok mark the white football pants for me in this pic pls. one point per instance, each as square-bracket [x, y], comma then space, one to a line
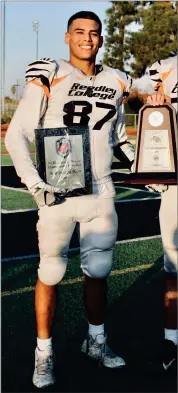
[169, 228]
[98, 232]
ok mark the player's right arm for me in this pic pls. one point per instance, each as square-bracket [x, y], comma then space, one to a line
[21, 132]
[30, 110]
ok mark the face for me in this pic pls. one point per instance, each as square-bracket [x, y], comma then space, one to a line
[83, 39]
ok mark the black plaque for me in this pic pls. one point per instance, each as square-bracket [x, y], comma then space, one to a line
[64, 160]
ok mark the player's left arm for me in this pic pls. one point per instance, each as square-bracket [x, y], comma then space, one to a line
[122, 147]
[156, 81]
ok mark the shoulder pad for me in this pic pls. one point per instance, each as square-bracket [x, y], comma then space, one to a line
[125, 81]
[122, 77]
[44, 69]
[173, 53]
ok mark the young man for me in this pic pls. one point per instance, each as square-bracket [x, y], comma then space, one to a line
[58, 94]
[163, 76]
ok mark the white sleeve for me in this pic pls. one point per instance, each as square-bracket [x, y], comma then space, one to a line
[155, 75]
[120, 137]
[21, 132]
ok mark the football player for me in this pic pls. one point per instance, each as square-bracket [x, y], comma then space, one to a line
[163, 76]
[60, 94]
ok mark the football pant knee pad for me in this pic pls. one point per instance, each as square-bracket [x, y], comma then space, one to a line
[97, 263]
[171, 266]
[52, 270]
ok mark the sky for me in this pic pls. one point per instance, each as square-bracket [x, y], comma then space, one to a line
[20, 39]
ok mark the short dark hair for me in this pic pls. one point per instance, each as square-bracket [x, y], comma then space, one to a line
[85, 15]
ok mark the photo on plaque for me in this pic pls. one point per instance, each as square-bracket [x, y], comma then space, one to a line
[156, 149]
[64, 160]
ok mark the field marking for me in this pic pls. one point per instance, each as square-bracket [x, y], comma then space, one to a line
[115, 201]
[5, 153]
[18, 211]
[138, 239]
[32, 256]
[123, 188]
[78, 248]
[137, 199]
[117, 186]
[15, 189]
[135, 189]
[116, 272]
[2, 165]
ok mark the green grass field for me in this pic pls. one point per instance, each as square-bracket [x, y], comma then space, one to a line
[6, 160]
[130, 261]
[130, 285]
[14, 199]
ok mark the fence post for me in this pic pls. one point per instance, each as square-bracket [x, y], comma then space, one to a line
[135, 121]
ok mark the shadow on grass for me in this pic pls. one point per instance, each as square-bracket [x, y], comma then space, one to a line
[134, 325]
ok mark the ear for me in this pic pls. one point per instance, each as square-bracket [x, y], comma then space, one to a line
[101, 41]
[67, 37]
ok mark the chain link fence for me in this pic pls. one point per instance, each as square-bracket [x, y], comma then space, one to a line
[10, 107]
[131, 120]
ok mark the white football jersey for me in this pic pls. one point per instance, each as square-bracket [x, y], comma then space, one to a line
[163, 76]
[56, 96]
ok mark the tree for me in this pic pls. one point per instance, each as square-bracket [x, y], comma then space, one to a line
[7, 99]
[118, 17]
[135, 101]
[157, 38]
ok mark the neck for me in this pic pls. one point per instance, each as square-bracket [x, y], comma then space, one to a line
[86, 66]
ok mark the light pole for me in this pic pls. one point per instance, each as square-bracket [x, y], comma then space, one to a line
[36, 29]
[3, 30]
[17, 91]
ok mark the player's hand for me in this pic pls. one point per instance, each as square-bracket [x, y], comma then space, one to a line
[158, 99]
[156, 187]
[38, 192]
[42, 186]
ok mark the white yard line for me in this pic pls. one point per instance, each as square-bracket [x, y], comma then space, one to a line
[5, 211]
[135, 189]
[138, 239]
[78, 248]
[137, 200]
[116, 272]
[17, 211]
[123, 188]
[116, 201]
[15, 189]
[10, 259]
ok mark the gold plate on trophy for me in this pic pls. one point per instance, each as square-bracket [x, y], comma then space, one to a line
[156, 149]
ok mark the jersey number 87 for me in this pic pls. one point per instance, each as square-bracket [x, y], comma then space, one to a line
[70, 110]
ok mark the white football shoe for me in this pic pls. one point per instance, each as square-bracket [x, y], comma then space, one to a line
[98, 350]
[44, 368]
